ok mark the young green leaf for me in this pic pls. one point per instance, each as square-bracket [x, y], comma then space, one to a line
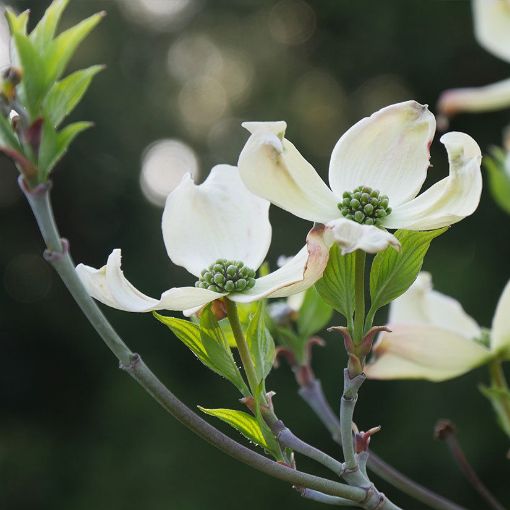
[286, 336]
[260, 343]
[336, 287]
[207, 348]
[218, 349]
[55, 144]
[43, 33]
[499, 180]
[64, 95]
[314, 314]
[64, 46]
[48, 148]
[393, 272]
[243, 422]
[7, 137]
[33, 85]
[17, 22]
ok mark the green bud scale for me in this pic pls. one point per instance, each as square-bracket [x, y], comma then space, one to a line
[226, 276]
[365, 205]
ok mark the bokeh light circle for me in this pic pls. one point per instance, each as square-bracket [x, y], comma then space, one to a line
[164, 163]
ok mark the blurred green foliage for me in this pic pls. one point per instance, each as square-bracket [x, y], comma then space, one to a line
[75, 432]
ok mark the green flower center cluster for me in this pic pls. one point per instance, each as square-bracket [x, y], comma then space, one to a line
[226, 276]
[365, 205]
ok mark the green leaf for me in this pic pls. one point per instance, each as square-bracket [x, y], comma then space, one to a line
[65, 45]
[47, 149]
[207, 345]
[286, 336]
[314, 314]
[336, 287]
[393, 272]
[218, 349]
[7, 136]
[33, 85]
[243, 422]
[67, 93]
[45, 30]
[17, 22]
[499, 180]
[55, 144]
[260, 343]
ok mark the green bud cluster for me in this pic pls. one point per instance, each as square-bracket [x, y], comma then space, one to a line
[226, 276]
[365, 205]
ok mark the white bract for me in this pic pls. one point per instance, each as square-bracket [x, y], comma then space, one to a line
[492, 30]
[384, 159]
[433, 338]
[217, 221]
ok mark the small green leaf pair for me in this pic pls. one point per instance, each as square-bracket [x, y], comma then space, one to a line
[209, 341]
[391, 274]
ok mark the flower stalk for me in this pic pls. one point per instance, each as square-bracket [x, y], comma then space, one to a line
[242, 347]
[359, 314]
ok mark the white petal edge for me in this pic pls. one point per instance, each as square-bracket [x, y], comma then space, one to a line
[452, 198]
[476, 99]
[352, 236]
[109, 285]
[388, 151]
[272, 168]
[296, 275]
[424, 352]
[217, 219]
[420, 304]
[500, 334]
[492, 26]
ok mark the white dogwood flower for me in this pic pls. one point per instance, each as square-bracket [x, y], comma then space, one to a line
[492, 30]
[376, 171]
[433, 338]
[220, 233]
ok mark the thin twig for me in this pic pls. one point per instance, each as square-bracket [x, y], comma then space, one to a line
[320, 497]
[347, 405]
[289, 440]
[445, 430]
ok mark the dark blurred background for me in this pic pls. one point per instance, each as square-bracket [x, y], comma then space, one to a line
[75, 432]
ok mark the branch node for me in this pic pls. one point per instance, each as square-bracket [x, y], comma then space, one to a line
[40, 189]
[352, 385]
[134, 360]
[52, 256]
[374, 499]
